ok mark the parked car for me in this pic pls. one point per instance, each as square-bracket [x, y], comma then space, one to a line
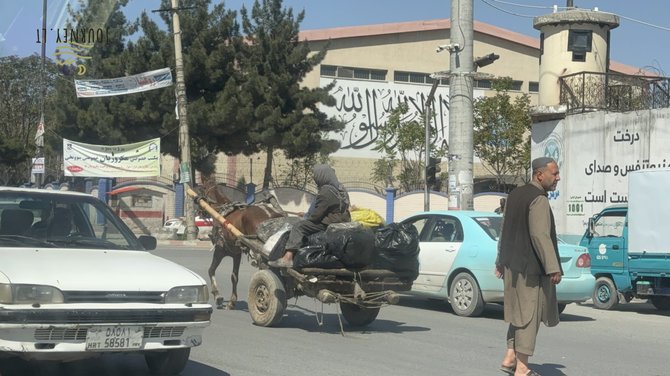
[178, 226]
[457, 257]
[75, 282]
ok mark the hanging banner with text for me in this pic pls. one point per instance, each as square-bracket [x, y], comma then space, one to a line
[124, 85]
[129, 160]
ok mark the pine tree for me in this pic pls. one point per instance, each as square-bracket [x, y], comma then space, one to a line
[281, 114]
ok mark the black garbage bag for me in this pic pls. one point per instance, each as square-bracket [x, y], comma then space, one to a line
[397, 248]
[271, 226]
[316, 256]
[351, 243]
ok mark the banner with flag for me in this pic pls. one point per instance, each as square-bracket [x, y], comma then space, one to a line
[124, 85]
[130, 160]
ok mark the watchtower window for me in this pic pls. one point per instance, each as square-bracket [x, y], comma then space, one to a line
[579, 42]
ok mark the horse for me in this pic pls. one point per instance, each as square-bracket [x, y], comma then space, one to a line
[245, 218]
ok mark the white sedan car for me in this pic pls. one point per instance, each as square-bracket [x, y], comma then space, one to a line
[75, 282]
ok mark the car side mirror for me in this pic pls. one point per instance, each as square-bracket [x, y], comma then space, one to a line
[148, 242]
[592, 227]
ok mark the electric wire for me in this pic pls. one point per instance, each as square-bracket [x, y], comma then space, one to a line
[563, 8]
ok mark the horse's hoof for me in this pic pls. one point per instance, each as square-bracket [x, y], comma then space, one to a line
[219, 303]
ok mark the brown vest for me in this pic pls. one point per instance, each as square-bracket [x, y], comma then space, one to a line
[516, 248]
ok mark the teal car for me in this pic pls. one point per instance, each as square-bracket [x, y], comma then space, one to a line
[457, 260]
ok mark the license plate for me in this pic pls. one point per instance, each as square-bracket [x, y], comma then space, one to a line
[114, 338]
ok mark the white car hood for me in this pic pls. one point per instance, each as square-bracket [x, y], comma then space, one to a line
[93, 269]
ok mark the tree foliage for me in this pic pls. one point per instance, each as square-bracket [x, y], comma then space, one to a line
[21, 88]
[501, 133]
[402, 144]
[280, 113]
[243, 92]
[209, 39]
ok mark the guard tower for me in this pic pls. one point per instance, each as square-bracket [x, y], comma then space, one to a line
[571, 41]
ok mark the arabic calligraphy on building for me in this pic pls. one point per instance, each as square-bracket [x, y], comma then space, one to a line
[365, 106]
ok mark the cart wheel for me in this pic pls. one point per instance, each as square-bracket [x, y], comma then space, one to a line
[267, 298]
[357, 315]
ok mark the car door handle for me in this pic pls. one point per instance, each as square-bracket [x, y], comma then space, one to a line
[615, 246]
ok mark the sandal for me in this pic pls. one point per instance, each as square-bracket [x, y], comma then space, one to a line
[508, 369]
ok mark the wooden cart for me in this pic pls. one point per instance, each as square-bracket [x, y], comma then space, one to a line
[360, 293]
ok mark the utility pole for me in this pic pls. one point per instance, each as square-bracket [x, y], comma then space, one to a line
[461, 66]
[428, 116]
[184, 138]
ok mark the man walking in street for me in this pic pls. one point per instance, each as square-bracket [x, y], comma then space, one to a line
[529, 264]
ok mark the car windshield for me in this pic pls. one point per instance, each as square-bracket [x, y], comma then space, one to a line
[491, 225]
[43, 219]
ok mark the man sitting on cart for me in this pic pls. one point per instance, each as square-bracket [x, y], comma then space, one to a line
[331, 205]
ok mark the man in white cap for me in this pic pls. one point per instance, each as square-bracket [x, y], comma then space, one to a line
[529, 264]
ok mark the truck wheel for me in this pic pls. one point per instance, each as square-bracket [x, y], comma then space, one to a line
[267, 298]
[662, 303]
[465, 297]
[170, 362]
[357, 315]
[605, 295]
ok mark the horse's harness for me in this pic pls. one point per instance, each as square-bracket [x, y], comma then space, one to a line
[216, 236]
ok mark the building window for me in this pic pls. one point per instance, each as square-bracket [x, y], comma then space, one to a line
[329, 70]
[483, 84]
[401, 76]
[533, 87]
[362, 74]
[516, 85]
[417, 78]
[579, 42]
[345, 72]
[358, 73]
[378, 75]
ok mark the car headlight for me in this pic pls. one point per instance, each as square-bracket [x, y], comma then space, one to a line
[29, 294]
[187, 294]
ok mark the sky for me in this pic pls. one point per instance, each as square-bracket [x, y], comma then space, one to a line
[641, 40]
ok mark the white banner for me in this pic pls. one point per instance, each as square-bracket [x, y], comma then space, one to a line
[38, 166]
[129, 160]
[365, 106]
[124, 85]
[595, 153]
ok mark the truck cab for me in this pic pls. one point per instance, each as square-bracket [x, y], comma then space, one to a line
[606, 239]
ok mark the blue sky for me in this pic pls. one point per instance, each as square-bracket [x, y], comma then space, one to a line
[633, 43]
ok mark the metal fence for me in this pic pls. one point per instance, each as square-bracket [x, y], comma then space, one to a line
[591, 91]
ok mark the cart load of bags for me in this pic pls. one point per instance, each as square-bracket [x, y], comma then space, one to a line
[350, 245]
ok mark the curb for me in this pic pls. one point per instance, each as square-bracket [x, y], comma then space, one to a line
[186, 243]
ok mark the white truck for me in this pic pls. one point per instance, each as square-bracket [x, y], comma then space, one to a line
[630, 254]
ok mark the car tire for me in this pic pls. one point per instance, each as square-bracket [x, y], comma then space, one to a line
[605, 295]
[357, 315]
[662, 303]
[170, 362]
[465, 296]
[267, 298]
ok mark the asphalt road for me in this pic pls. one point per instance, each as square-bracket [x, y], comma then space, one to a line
[415, 337]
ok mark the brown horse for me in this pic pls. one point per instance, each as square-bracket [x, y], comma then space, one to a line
[245, 218]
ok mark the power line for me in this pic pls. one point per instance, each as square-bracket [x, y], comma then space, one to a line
[641, 22]
[506, 11]
[547, 7]
[526, 5]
